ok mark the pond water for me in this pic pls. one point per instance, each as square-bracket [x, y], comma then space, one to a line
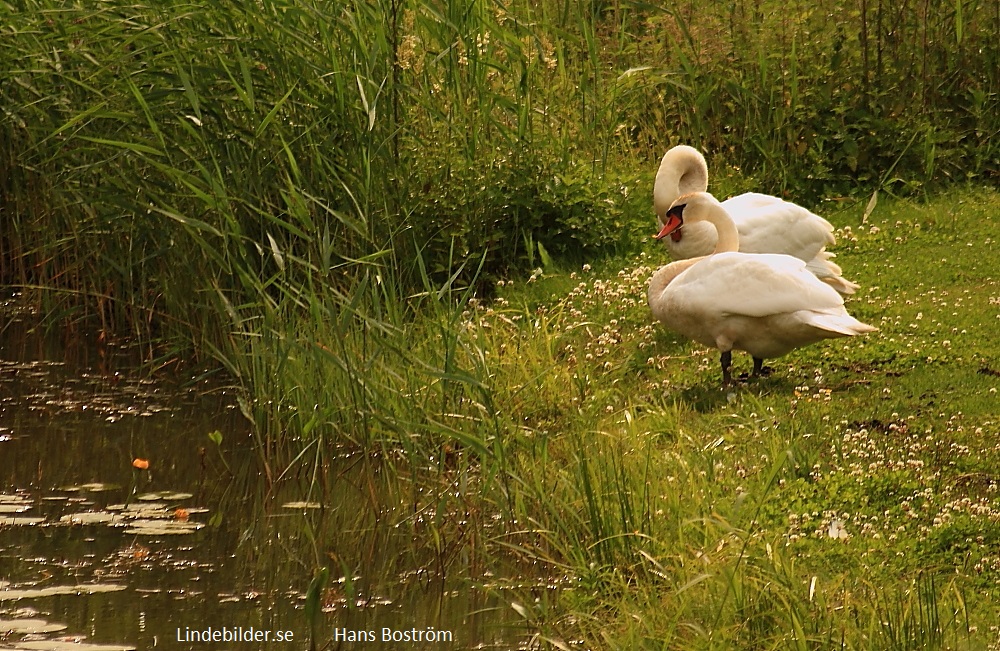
[96, 553]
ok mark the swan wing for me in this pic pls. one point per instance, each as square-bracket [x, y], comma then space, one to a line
[754, 285]
[750, 201]
[777, 226]
[830, 273]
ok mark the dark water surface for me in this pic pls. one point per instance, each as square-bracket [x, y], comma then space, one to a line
[94, 550]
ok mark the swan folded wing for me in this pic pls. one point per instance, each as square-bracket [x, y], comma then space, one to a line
[756, 285]
[750, 201]
[782, 227]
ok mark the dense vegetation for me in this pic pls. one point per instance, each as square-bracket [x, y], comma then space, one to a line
[292, 143]
[341, 203]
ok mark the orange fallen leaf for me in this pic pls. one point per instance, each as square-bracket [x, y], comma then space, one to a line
[141, 464]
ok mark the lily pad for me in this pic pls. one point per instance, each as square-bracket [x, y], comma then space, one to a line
[93, 517]
[14, 507]
[94, 487]
[67, 645]
[14, 503]
[142, 510]
[79, 589]
[170, 496]
[163, 527]
[30, 626]
[21, 521]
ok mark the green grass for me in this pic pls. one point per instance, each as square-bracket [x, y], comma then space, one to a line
[347, 208]
[673, 514]
[693, 517]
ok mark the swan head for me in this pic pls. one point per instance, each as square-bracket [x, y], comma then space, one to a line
[701, 207]
[673, 222]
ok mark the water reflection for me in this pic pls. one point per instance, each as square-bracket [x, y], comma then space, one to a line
[206, 551]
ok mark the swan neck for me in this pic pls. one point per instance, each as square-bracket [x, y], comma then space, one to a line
[682, 170]
[729, 236]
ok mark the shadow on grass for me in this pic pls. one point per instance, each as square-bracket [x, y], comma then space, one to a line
[708, 395]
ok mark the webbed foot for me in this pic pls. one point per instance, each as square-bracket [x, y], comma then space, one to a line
[759, 370]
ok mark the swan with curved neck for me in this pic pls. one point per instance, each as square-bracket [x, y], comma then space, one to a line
[765, 304]
[766, 224]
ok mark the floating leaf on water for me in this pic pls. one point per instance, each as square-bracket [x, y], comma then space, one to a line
[143, 510]
[21, 521]
[67, 645]
[14, 507]
[81, 589]
[163, 527]
[170, 496]
[29, 626]
[14, 504]
[96, 588]
[94, 487]
[302, 505]
[98, 487]
[92, 517]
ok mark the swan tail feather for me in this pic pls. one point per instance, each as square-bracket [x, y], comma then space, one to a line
[842, 324]
[830, 273]
[842, 285]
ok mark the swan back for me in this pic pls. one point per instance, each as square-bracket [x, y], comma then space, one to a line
[765, 304]
[754, 285]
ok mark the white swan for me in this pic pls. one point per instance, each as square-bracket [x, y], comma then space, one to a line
[766, 224]
[765, 304]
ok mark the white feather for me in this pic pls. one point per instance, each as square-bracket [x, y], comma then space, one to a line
[765, 304]
[766, 224]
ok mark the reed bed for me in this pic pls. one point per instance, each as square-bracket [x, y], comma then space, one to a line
[390, 223]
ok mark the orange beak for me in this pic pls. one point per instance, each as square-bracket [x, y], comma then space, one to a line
[673, 224]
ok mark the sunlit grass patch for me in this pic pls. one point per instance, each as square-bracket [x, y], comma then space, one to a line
[766, 511]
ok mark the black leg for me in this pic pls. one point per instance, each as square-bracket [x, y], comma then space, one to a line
[759, 369]
[727, 361]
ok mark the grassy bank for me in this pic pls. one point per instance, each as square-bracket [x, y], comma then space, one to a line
[419, 231]
[848, 501]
